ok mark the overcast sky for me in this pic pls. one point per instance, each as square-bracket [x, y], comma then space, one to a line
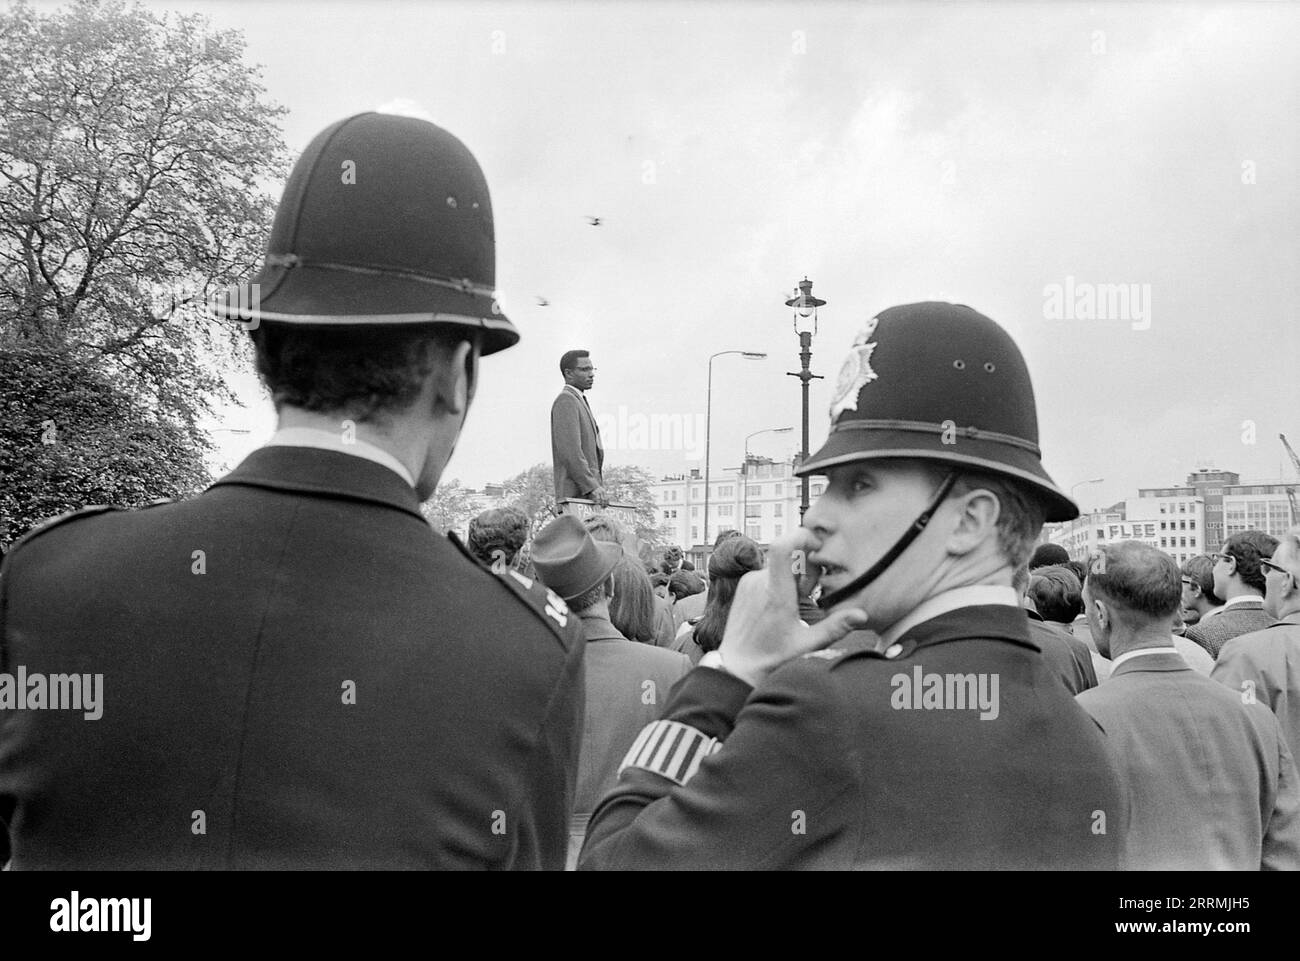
[976, 153]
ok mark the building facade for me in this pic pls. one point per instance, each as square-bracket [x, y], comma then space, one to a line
[1193, 518]
[762, 501]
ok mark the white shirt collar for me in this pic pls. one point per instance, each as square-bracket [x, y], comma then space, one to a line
[1240, 598]
[958, 597]
[1127, 655]
[332, 440]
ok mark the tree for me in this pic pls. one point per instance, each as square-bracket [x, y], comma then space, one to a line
[533, 492]
[451, 507]
[135, 151]
[70, 438]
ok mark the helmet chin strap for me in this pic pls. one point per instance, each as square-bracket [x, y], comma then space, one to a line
[827, 601]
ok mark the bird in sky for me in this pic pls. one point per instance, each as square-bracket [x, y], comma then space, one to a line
[594, 221]
[543, 302]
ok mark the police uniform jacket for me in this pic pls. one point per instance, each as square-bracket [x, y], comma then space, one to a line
[576, 450]
[826, 765]
[1212, 783]
[299, 672]
[1265, 665]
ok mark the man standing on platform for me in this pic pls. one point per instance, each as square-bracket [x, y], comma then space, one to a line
[576, 450]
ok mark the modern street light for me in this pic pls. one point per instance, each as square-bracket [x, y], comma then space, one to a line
[805, 325]
[708, 427]
[1095, 480]
[744, 504]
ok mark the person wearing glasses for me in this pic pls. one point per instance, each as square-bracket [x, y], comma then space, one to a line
[1212, 783]
[576, 450]
[1239, 578]
[1266, 664]
[1199, 600]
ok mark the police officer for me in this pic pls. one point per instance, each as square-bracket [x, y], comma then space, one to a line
[298, 672]
[948, 743]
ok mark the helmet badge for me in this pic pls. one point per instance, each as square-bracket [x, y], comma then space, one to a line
[856, 371]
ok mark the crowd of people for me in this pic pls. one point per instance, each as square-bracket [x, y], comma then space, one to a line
[298, 671]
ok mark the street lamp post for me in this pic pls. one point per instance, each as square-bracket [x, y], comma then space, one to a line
[805, 324]
[744, 503]
[708, 427]
[1095, 480]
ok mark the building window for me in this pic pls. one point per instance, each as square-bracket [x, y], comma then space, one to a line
[665, 515]
[751, 531]
[816, 490]
[674, 495]
[1162, 525]
[726, 490]
[1182, 508]
[776, 530]
[754, 490]
[695, 534]
[1191, 525]
[724, 510]
[1164, 542]
[753, 510]
[695, 512]
[1182, 542]
[776, 510]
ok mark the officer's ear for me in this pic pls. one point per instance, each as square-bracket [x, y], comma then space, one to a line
[976, 520]
[455, 374]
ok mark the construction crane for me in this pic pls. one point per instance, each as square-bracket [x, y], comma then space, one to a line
[1290, 491]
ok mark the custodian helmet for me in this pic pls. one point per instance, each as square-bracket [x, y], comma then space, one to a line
[385, 220]
[939, 382]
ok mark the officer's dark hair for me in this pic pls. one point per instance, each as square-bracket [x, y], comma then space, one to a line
[1136, 578]
[1020, 515]
[1247, 549]
[569, 359]
[363, 371]
[1057, 594]
[500, 529]
[592, 597]
[1200, 571]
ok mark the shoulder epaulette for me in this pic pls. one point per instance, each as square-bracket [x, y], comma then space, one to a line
[549, 607]
[58, 521]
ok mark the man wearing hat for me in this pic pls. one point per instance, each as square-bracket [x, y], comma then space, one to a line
[298, 671]
[626, 682]
[949, 744]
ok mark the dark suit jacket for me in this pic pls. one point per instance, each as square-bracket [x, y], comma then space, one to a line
[1069, 657]
[818, 767]
[576, 451]
[1230, 622]
[226, 692]
[1265, 665]
[1212, 783]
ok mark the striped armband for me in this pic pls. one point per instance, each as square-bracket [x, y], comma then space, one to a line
[671, 749]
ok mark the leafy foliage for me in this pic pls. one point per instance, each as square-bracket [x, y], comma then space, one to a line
[135, 152]
[533, 492]
[70, 438]
[451, 507]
